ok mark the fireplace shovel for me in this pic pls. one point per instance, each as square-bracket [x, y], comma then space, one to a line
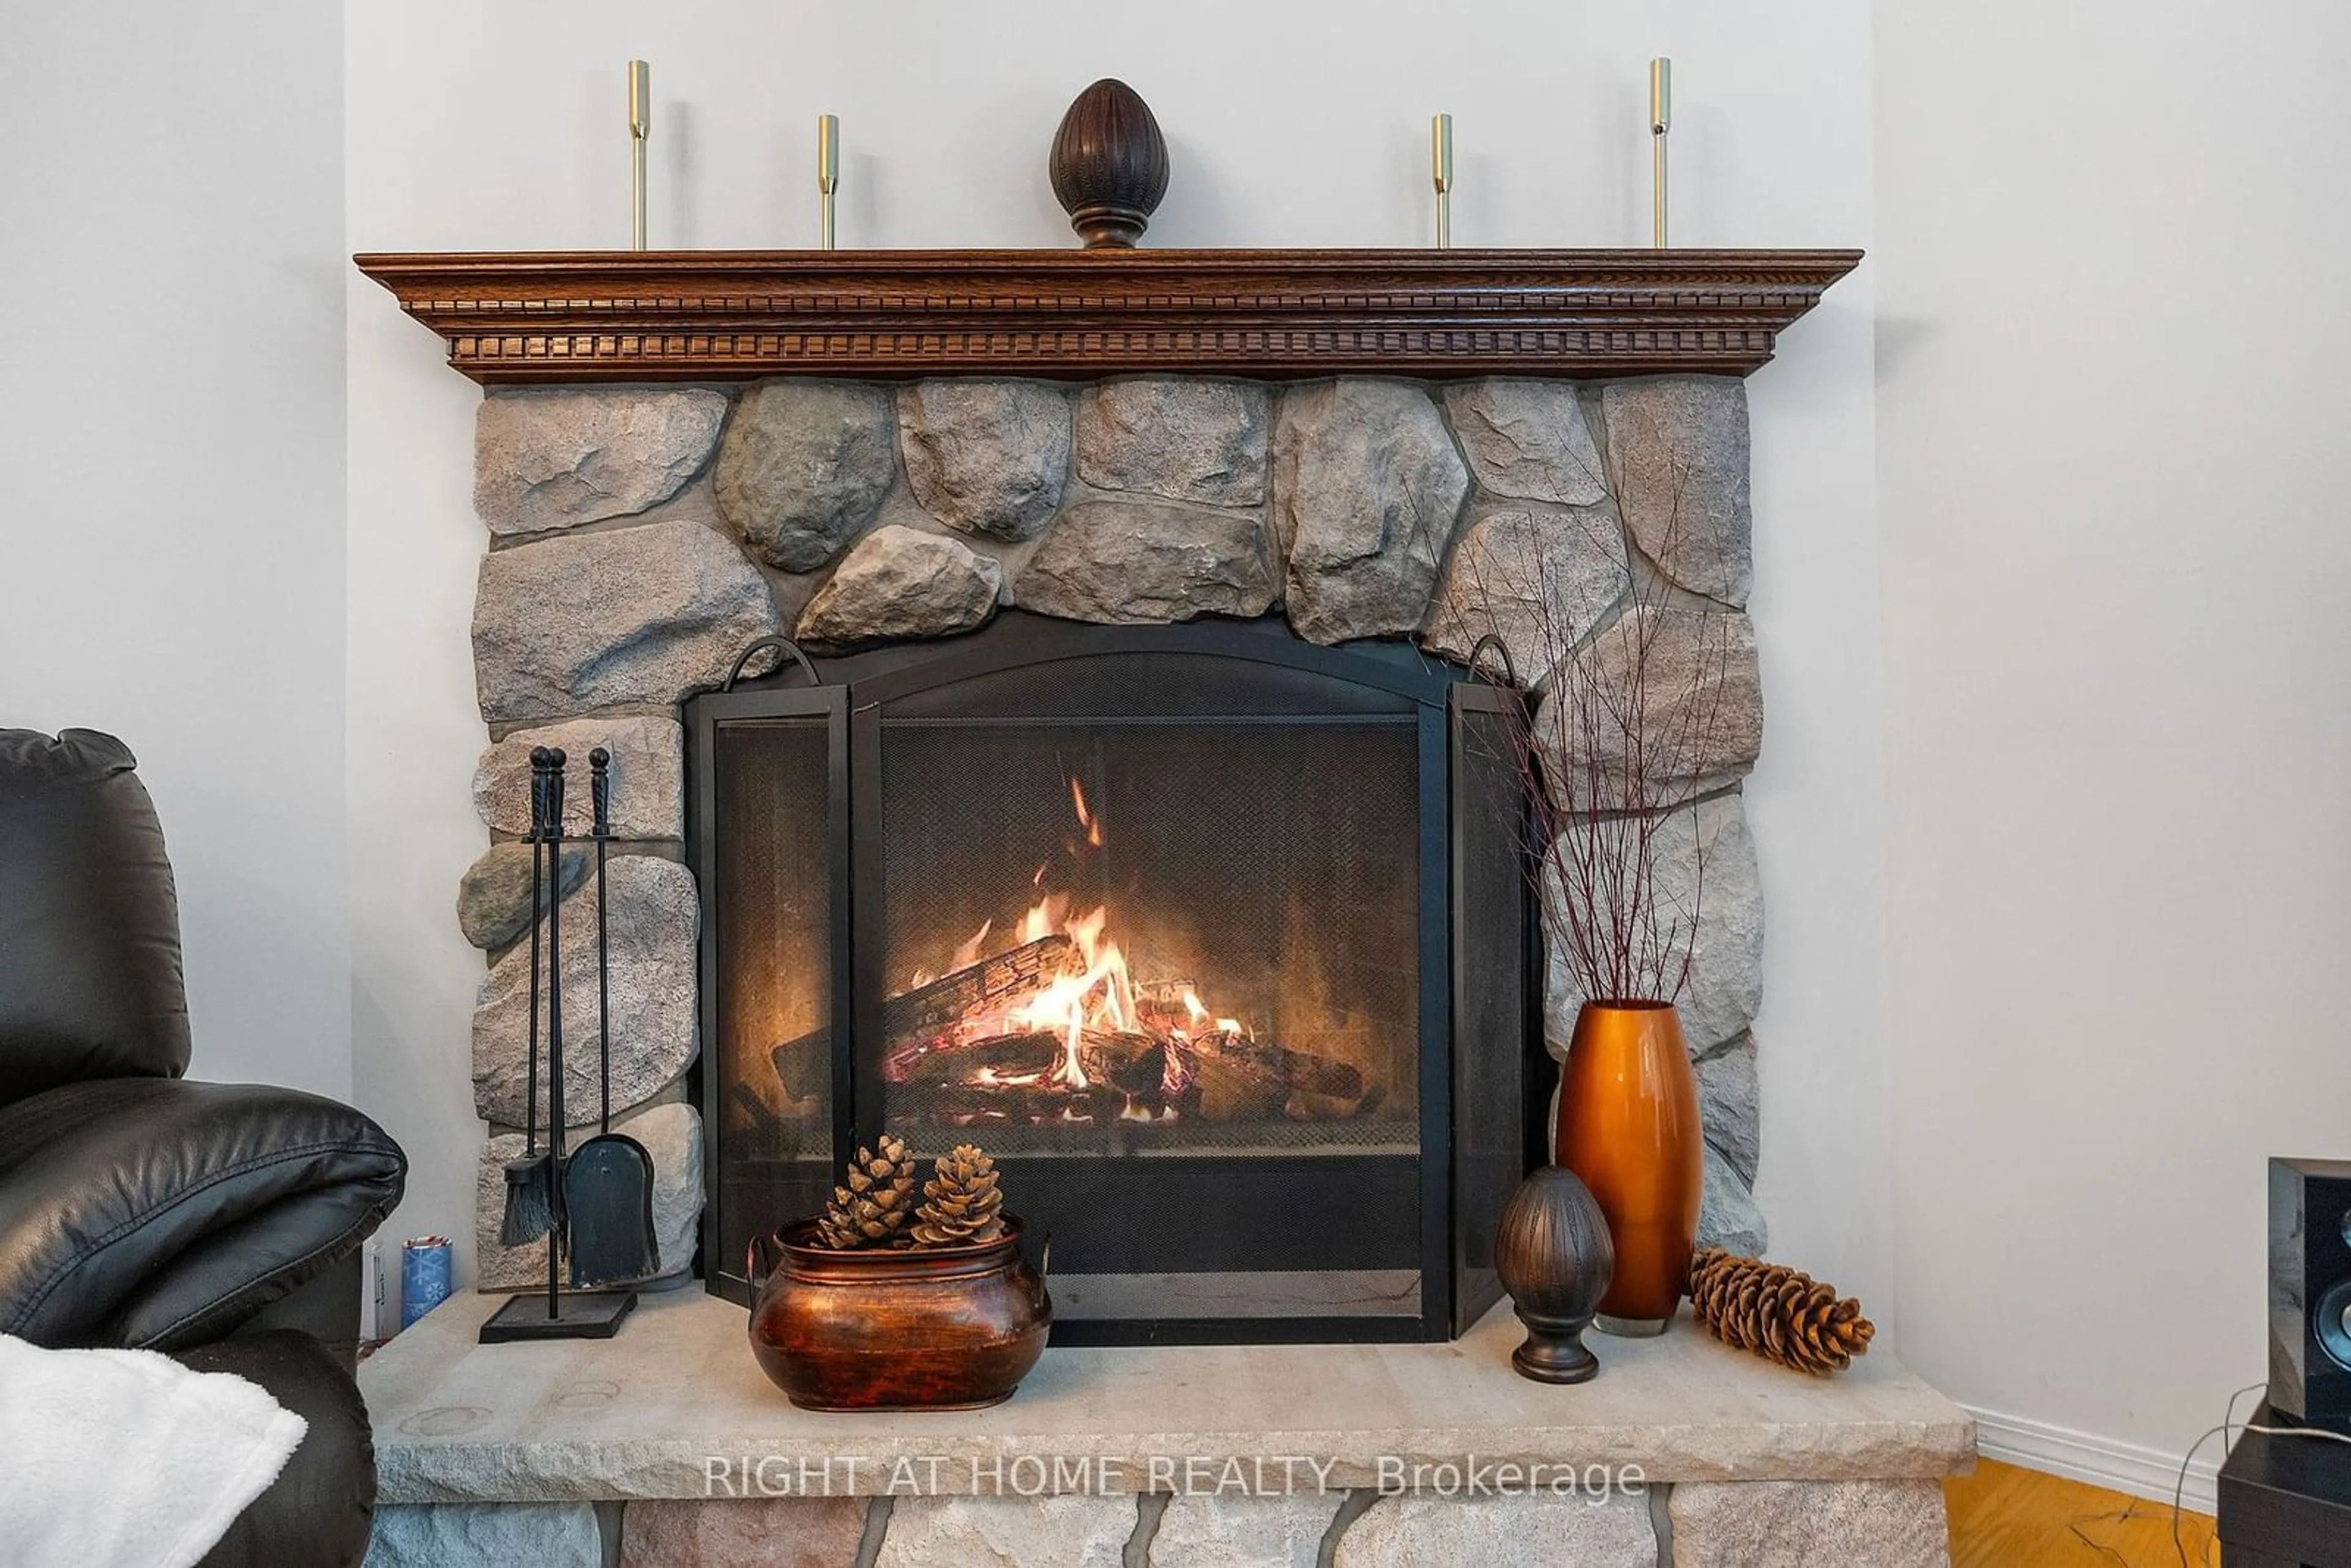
[607, 1183]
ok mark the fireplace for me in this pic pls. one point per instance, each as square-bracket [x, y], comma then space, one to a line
[1155, 451]
[1218, 939]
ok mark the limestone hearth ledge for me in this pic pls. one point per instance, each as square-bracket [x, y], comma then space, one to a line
[645, 1415]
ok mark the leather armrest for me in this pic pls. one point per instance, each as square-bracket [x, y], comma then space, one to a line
[317, 1512]
[158, 1213]
[328, 1308]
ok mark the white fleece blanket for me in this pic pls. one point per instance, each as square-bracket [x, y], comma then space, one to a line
[124, 1459]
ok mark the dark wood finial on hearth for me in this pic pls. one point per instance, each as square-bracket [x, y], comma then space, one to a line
[1109, 164]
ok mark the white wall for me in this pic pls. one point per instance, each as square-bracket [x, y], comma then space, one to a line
[171, 432]
[2108, 253]
[2111, 247]
[1289, 125]
[2105, 406]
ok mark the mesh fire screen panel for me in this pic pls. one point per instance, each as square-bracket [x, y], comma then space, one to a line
[1215, 939]
[771, 925]
[1490, 1002]
[1151, 935]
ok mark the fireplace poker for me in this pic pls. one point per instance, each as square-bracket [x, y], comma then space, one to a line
[530, 1180]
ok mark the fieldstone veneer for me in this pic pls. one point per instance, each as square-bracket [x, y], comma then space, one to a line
[1684, 1453]
[639, 538]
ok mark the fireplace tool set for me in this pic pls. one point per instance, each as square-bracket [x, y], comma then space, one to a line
[594, 1207]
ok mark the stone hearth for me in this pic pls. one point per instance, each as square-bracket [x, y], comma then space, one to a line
[670, 1440]
[639, 538]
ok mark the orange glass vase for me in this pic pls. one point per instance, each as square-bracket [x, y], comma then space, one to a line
[1628, 1125]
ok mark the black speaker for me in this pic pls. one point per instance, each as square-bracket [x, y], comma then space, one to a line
[2310, 1292]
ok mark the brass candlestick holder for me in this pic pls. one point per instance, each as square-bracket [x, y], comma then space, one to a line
[827, 176]
[641, 126]
[1440, 167]
[1661, 124]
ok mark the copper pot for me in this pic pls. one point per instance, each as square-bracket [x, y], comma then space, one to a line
[1628, 1125]
[932, 1328]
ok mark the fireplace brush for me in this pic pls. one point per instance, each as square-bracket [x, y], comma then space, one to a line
[530, 1180]
[559, 1233]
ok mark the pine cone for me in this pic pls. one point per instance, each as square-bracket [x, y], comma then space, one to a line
[961, 1202]
[1777, 1312]
[873, 1208]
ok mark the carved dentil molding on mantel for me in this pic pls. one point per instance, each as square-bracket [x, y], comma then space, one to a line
[597, 316]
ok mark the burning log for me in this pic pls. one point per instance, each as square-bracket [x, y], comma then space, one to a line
[1219, 1078]
[972, 1105]
[1235, 1079]
[1305, 1107]
[912, 1017]
[1038, 1105]
[1130, 1064]
[918, 1021]
[1322, 1076]
[1218, 1075]
[1225, 1089]
[992, 1062]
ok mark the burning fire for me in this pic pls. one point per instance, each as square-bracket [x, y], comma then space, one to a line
[1100, 996]
[1092, 991]
[1198, 1012]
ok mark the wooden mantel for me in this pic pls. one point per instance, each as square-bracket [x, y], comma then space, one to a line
[604, 316]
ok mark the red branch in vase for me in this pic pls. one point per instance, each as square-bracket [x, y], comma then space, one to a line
[1631, 724]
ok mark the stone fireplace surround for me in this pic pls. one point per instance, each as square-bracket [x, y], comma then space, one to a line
[647, 523]
[642, 537]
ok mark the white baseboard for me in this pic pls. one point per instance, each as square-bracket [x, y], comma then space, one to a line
[2146, 1473]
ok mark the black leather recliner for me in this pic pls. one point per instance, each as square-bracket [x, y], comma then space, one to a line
[217, 1223]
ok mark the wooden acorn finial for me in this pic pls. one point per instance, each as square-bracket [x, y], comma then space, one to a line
[1109, 166]
[1553, 1251]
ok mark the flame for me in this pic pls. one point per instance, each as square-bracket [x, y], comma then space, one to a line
[1085, 818]
[1099, 995]
[1177, 1068]
[1046, 916]
[969, 952]
[1096, 991]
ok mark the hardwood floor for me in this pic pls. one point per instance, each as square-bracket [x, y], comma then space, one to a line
[2002, 1517]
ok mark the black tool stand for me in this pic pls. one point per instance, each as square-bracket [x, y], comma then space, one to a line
[578, 1314]
[2285, 1502]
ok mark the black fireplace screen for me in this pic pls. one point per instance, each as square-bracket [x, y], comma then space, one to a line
[1215, 939]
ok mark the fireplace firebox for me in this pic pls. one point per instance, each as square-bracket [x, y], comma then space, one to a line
[1219, 940]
